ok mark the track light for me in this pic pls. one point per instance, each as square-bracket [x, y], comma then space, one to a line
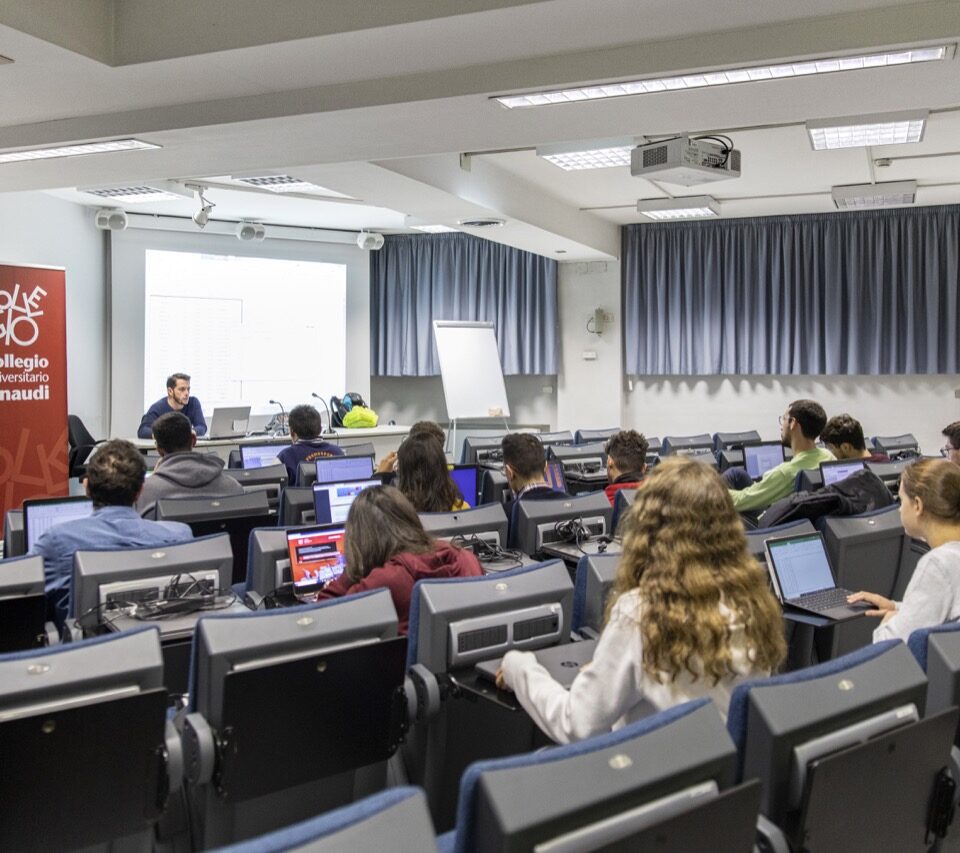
[202, 216]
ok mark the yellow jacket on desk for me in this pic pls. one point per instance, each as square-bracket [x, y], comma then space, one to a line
[360, 417]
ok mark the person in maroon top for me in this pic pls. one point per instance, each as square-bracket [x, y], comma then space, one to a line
[843, 437]
[626, 462]
[387, 547]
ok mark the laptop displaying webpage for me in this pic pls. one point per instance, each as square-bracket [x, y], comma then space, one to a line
[260, 455]
[40, 516]
[336, 469]
[317, 555]
[834, 472]
[760, 458]
[801, 565]
[331, 501]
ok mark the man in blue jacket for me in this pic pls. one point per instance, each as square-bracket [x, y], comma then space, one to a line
[178, 399]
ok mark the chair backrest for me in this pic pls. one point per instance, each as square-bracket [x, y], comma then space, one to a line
[396, 819]
[77, 434]
[589, 436]
[595, 576]
[14, 540]
[614, 791]
[937, 650]
[757, 537]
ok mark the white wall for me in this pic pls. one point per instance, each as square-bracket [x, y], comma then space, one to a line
[38, 229]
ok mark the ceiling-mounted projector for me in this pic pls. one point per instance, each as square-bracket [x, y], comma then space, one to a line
[110, 219]
[369, 240]
[685, 161]
[251, 231]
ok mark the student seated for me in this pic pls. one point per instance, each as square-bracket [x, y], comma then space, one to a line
[114, 480]
[691, 614]
[305, 427]
[524, 465]
[951, 432]
[843, 437]
[387, 467]
[386, 546]
[626, 461]
[181, 473]
[930, 510]
[178, 399]
[799, 427]
[424, 478]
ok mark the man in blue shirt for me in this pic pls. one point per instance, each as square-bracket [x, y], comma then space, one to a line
[308, 446]
[115, 475]
[178, 399]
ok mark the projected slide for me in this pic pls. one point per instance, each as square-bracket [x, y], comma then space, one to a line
[247, 330]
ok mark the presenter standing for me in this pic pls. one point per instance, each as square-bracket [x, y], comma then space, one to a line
[178, 399]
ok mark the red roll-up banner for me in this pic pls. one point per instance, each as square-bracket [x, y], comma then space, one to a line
[33, 384]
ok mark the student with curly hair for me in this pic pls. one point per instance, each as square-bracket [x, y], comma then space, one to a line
[929, 510]
[690, 614]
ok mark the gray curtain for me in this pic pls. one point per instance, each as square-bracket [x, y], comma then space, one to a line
[416, 279]
[873, 292]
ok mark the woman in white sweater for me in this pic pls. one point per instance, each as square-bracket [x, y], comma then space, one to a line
[690, 615]
[930, 510]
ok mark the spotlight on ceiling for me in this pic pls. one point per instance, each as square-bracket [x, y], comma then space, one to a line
[202, 216]
[370, 240]
[110, 219]
[247, 230]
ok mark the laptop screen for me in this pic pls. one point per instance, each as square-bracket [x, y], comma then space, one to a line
[760, 458]
[336, 469]
[555, 477]
[40, 516]
[800, 564]
[331, 501]
[834, 472]
[260, 455]
[466, 478]
[316, 555]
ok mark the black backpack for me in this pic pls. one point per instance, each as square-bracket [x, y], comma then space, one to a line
[861, 492]
[340, 406]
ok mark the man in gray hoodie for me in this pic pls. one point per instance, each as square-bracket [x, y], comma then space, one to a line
[181, 473]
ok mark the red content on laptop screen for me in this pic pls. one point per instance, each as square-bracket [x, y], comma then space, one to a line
[316, 555]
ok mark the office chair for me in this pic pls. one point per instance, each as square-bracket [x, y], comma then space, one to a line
[395, 820]
[937, 650]
[844, 758]
[665, 783]
[80, 443]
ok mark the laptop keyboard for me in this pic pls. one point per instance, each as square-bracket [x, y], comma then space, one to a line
[825, 599]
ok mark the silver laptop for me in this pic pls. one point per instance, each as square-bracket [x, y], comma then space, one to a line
[563, 662]
[802, 577]
[229, 422]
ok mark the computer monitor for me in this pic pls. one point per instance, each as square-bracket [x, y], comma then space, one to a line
[225, 644]
[260, 455]
[587, 455]
[728, 440]
[337, 469]
[563, 437]
[463, 621]
[365, 448]
[897, 446]
[296, 506]
[600, 571]
[592, 436]
[684, 445]
[760, 458]
[23, 605]
[268, 559]
[40, 515]
[13, 544]
[145, 574]
[317, 556]
[331, 501]
[476, 449]
[943, 671]
[621, 505]
[834, 472]
[494, 487]
[537, 521]
[554, 476]
[784, 718]
[488, 522]
[467, 478]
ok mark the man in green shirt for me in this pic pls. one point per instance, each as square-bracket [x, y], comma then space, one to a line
[800, 426]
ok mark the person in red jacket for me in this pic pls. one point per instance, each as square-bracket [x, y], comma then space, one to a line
[626, 461]
[387, 547]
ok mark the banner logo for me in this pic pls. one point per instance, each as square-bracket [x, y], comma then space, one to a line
[18, 313]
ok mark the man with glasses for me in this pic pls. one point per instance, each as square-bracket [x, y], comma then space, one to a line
[952, 448]
[800, 426]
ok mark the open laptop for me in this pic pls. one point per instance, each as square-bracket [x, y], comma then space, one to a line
[563, 662]
[760, 458]
[467, 478]
[802, 577]
[337, 469]
[42, 514]
[229, 422]
[555, 477]
[834, 472]
[260, 455]
[317, 556]
[331, 501]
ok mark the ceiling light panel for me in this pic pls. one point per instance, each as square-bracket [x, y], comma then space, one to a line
[134, 195]
[887, 194]
[599, 158]
[287, 184]
[690, 207]
[434, 229]
[863, 131]
[725, 77]
[76, 150]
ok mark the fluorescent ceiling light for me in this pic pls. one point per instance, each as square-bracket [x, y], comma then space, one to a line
[434, 229]
[705, 79]
[888, 194]
[689, 207]
[76, 150]
[134, 195]
[287, 184]
[600, 154]
[862, 131]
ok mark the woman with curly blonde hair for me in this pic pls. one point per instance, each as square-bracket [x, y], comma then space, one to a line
[690, 614]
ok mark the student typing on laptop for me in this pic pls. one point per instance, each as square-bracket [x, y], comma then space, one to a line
[930, 510]
[691, 614]
[178, 399]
